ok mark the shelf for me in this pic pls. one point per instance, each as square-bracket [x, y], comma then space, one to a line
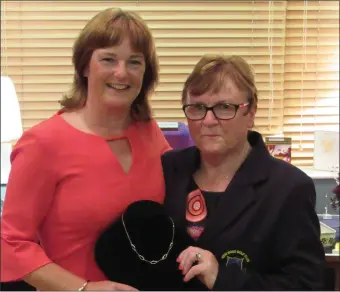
[319, 174]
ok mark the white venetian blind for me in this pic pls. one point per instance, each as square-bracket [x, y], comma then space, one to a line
[40, 35]
[311, 89]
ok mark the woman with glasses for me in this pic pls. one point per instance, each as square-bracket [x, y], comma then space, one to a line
[251, 215]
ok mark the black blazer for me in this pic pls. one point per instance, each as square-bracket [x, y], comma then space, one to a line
[265, 232]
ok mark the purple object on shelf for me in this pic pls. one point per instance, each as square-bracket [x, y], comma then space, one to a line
[179, 138]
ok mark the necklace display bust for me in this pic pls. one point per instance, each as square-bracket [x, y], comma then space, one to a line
[140, 249]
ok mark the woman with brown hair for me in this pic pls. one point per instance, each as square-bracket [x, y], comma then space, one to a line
[251, 215]
[76, 172]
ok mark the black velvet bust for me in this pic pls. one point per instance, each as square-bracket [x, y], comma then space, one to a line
[151, 231]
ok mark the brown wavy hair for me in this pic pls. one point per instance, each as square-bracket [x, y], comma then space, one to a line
[106, 29]
[211, 71]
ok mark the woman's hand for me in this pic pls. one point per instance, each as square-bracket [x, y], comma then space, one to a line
[195, 261]
[108, 286]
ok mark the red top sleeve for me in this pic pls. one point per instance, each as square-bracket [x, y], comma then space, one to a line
[29, 195]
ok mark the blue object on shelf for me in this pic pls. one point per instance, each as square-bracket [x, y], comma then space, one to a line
[179, 138]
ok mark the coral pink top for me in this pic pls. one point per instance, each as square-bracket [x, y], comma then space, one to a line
[65, 187]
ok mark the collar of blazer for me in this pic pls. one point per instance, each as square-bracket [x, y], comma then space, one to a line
[179, 166]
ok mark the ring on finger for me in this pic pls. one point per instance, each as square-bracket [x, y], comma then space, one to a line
[198, 257]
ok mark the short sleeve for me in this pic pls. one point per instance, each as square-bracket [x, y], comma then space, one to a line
[29, 194]
[160, 139]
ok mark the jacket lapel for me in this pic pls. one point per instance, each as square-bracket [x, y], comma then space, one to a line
[235, 201]
[184, 166]
[240, 194]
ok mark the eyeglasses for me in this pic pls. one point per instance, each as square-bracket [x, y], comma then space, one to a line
[221, 111]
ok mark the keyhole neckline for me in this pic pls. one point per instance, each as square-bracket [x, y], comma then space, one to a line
[117, 137]
[88, 134]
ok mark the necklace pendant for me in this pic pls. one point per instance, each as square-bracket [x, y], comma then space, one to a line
[141, 257]
[153, 262]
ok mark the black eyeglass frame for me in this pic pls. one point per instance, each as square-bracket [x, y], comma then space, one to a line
[211, 108]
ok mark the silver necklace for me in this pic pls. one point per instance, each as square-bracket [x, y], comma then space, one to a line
[142, 258]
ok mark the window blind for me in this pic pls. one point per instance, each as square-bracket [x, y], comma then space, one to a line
[40, 35]
[311, 87]
[37, 39]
